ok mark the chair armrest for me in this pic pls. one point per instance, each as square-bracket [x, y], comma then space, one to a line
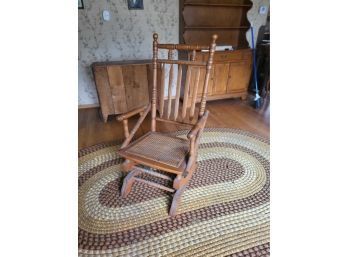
[143, 113]
[199, 125]
[131, 113]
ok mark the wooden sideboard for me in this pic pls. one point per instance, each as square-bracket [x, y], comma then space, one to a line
[230, 75]
[122, 86]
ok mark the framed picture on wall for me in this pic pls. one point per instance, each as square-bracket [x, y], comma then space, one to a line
[135, 5]
[80, 3]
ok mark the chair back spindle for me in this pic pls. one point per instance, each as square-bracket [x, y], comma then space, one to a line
[163, 77]
[171, 75]
[154, 85]
[177, 93]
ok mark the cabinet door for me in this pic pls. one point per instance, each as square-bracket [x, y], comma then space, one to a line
[239, 76]
[117, 90]
[220, 78]
[136, 85]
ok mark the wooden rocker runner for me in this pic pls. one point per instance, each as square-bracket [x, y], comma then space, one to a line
[161, 151]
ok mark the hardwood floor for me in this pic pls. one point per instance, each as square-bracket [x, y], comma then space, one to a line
[230, 113]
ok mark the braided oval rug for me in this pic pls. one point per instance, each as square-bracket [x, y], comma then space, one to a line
[224, 211]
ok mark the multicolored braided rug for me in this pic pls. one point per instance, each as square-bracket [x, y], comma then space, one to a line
[223, 212]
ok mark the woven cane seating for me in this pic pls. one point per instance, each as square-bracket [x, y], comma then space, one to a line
[159, 148]
[160, 151]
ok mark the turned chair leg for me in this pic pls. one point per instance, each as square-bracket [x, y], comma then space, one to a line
[128, 182]
[127, 165]
[176, 201]
[180, 183]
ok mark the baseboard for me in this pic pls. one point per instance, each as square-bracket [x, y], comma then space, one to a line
[85, 106]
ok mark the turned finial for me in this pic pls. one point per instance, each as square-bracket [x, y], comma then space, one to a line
[155, 36]
[214, 37]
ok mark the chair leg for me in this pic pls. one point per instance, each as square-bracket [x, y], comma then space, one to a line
[181, 180]
[176, 201]
[127, 165]
[128, 182]
[180, 183]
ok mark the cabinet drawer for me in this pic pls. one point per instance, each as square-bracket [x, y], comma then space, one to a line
[227, 56]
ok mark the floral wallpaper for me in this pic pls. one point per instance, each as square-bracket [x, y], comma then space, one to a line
[128, 34]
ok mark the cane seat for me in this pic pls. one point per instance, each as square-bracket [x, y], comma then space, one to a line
[159, 149]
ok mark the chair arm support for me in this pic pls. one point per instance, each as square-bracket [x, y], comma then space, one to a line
[129, 114]
[130, 135]
[199, 125]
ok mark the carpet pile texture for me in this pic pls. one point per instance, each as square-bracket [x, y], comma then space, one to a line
[223, 212]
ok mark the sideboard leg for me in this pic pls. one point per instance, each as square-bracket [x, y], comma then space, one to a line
[104, 116]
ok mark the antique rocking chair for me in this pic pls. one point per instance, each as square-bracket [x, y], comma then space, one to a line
[162, 151]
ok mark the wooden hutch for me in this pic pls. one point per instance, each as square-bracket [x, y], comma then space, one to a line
[199, 20]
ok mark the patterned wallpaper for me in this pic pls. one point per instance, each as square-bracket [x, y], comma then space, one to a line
[128, 34]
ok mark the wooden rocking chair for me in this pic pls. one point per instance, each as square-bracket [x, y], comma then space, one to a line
[159, 150]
